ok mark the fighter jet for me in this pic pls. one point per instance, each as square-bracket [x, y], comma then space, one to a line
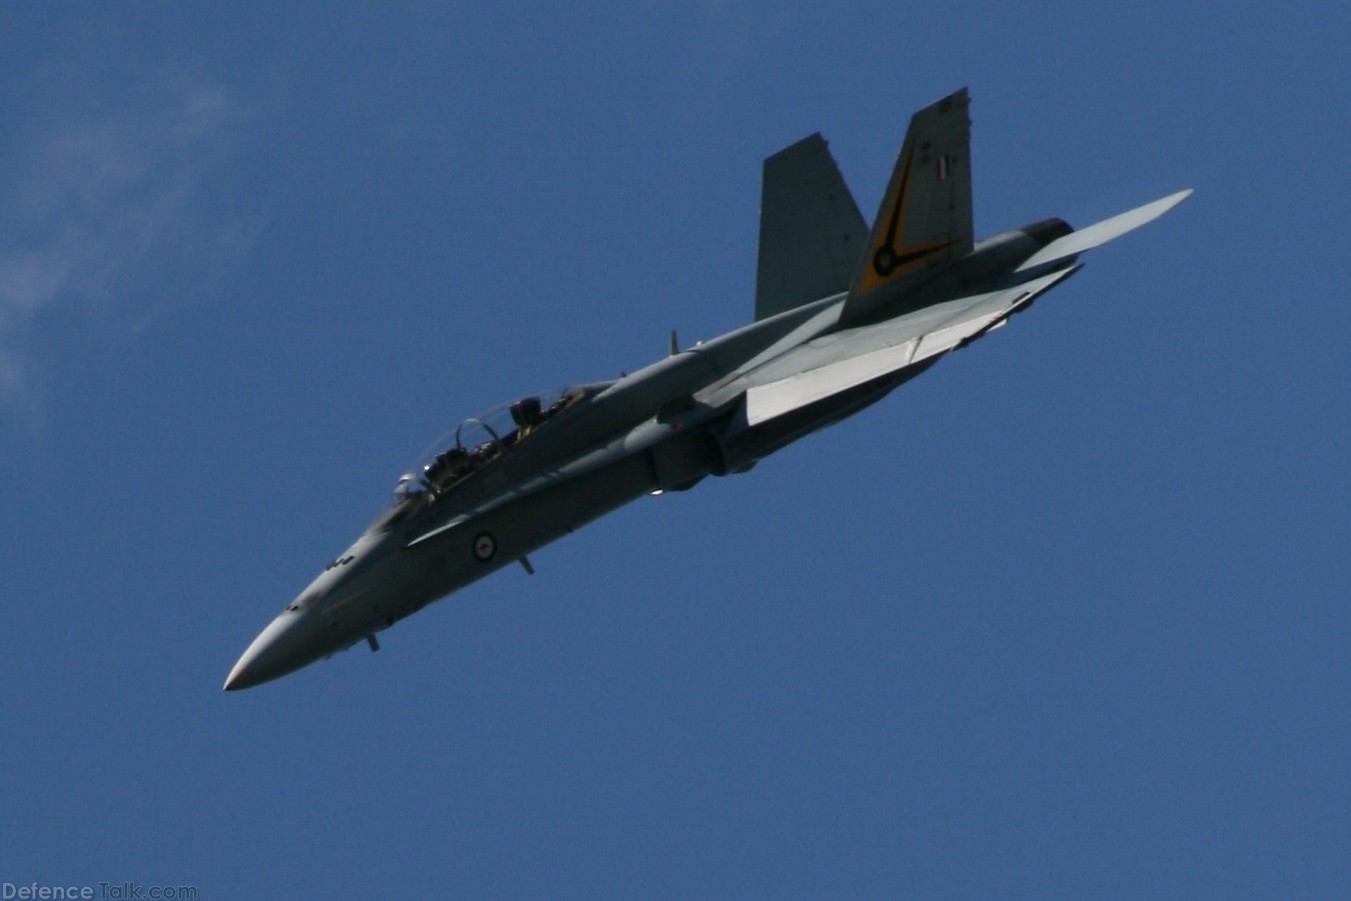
[843, 315]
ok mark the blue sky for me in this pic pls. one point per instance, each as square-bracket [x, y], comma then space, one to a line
[1066, 617]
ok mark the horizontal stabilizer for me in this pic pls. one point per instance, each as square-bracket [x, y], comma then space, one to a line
[1101, 232]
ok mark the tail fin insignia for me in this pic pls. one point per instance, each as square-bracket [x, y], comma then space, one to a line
[891, 256]
[925, 217]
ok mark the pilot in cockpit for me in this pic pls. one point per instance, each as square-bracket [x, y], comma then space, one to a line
[448, 466]
[526, 414]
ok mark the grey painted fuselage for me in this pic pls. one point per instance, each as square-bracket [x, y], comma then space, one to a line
[916, 289]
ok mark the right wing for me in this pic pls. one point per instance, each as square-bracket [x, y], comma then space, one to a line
[1099, 233]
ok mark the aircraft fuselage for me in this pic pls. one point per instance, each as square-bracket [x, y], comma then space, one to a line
[498, 489]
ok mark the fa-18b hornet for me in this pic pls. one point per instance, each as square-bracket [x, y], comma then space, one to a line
[843, 315]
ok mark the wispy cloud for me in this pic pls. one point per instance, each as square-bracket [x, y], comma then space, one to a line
[95, 201]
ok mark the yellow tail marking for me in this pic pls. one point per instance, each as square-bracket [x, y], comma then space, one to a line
[887, 257]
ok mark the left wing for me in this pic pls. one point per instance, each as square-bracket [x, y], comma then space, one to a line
[838, 361]
[842, 360]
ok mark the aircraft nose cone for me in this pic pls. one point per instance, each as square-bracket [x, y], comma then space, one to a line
[287, 644]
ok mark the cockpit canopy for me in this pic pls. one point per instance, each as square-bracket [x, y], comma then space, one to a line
[480, 440]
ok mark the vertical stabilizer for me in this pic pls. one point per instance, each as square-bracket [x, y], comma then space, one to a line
[924, 221]
[811, 232]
